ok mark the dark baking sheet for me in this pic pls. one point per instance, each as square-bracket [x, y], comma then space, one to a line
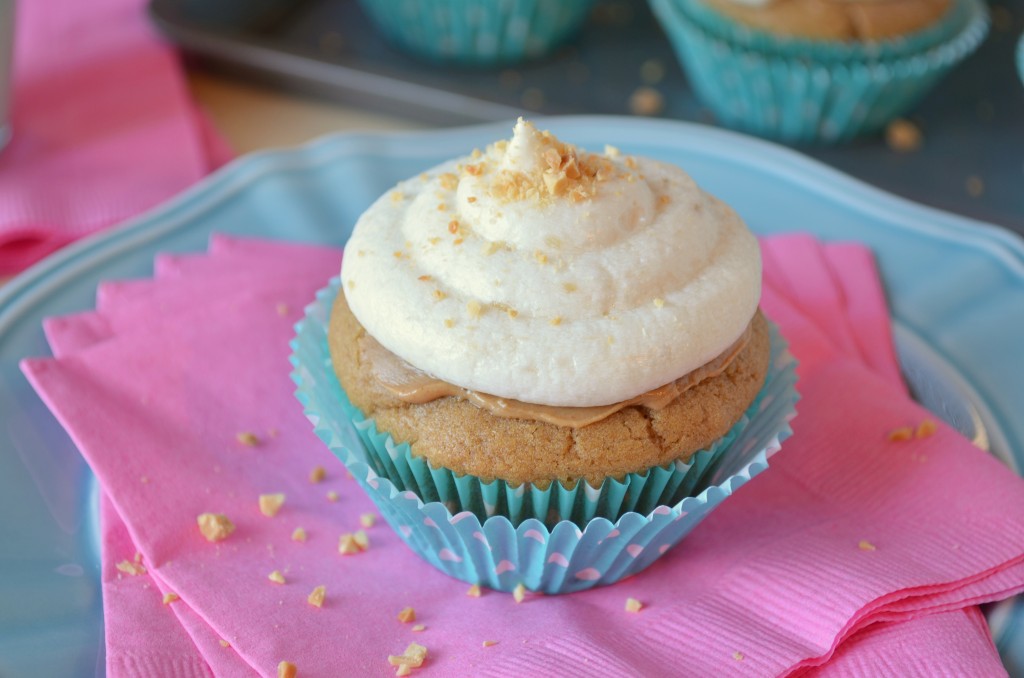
[971, 162]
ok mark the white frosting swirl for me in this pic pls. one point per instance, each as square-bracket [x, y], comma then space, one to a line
[551, 276]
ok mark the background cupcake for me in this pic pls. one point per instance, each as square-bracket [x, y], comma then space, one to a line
[473, 32]
[806, 70]
[526, 319]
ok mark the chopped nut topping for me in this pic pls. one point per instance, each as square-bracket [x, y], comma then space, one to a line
[224, 643]
[569, 287]
[453, 226]
[519, 593]
[633, 605]
[865, 545]
[407, 615]
[419, 627]
[351, 284]
[215, 526]
[475, 154]
[457, 241]
[398, 254]
[349, 544]
[276, 577]
[490, 248]
[270, 504]
[170, 598]
[738, 656]
[449, 181]
[659, 302]
[287, 670]
[474, 591]
[433, 241]
[449, 323]
[611, 151]
[557, 320]
[474, 308]
[316, 598]
[299, 534]
[368, 519]
[425, 278]
[403, 670]
[471, 199]
[902, 433]
[362, 541]
[540, 257]
[441, 207]
[489, 643]
[332, 495]
[475, 170]
[130, 568]
[439, 295]
[926, 429]
[248, 439]
[317, 474]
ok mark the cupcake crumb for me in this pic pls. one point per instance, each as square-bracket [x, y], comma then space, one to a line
[903, 136]
[519, 593]
[247, 438]
[646, 101]
[474, 591]
[171, 597]
[865, 545]
[270, 504]
[407, 615]
[215, 526]
[299, 534]
[317, 474]
[633, 605]
[926, 428]
[287, 670]
[316, 597]
[276, 577]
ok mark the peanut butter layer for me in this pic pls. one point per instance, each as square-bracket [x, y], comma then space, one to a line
[836, 19]
[450, 431]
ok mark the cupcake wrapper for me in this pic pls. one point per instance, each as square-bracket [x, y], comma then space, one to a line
[498, 553]
[802, 90]
[1020, 58]
[483, 33]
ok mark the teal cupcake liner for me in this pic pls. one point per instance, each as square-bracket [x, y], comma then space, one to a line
[1020, 58]
[495, 552]
[813, 91]
[477, 32]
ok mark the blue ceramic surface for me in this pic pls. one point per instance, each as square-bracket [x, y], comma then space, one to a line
[956, 287]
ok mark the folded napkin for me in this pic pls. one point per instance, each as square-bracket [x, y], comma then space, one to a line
[103, 126]
[850, 545]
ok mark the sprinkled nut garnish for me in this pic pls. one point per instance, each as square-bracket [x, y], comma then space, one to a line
[248, 439]
[425, 278]
[611, 151]
[407, 615]
[299, 534]
[276, 577]
[170, 598]
[926, 428]
[901, 433]
[130, 568]
[630, 162]
[903, 136]
[316, 597]
[419, 627]
[351, 284]
[489, 643]
[224, 643]
[738, 656]
[474, 591]
[519, 593]
[396, 196]
[439, 295]
[332, 495]
[659, 302]
[453, 226]
[975, 186]
[403, 670]
[557, 320]
[398, 254]
[441, 207]
[471, 199]
[349, 544]
[490, 248]
[449, 181]
[569, 287]
[270, 504]
[474, 308]
[511, 312]
[287, 670]
[433, 241]
[413, 657]
[540, 257]
[368, 519]
[475, 154]
[457, 241]
[865, 545]
[664, 200]
[282, 309]
[449, 323]
[214, 526]
[474, 170]
[317, 474]
[633, 605]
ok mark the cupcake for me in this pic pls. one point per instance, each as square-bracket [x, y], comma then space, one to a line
[818, 70]
[539, 340]
[477, 33]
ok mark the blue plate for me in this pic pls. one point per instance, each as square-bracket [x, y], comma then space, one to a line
[956, 286]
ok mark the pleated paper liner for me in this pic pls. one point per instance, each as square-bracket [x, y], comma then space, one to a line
[503, 550]
[801, 90]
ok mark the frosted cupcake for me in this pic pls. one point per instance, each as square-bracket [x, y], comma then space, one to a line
[538, 349]
[818, 70]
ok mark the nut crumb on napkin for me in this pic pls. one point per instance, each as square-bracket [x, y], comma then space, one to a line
[926, 428]
[248, 439]
[368, 519]
[270, 504]
[738, 656]
[519, 593]
[224, 643]
[633, 605]
[316, 598]
[170, 598]
[215, 526]
[130, 568]
[276, 577]
[287, 670]
[413, 657]
[407, 615]
[865, 545]
[317, 474]
[474, 591]
[419, 627]
[299, 534]
[900, 434]
[332, 496]
[489, 643]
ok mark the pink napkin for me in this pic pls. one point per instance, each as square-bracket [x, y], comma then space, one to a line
[776, 580]
[103, 126]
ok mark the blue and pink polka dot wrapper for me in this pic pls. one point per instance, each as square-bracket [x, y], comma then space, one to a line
[552, 540]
